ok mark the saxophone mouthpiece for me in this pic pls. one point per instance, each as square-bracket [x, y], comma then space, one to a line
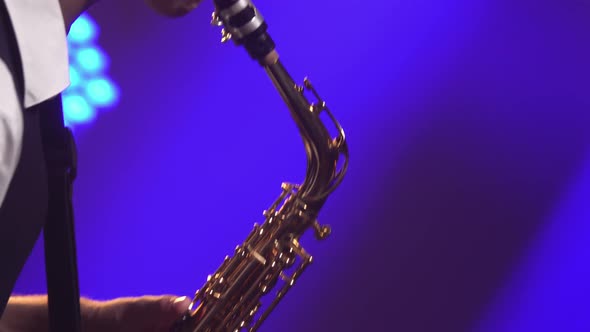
[244, 25]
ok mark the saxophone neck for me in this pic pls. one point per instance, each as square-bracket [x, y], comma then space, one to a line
[323, 151]
[244, 25]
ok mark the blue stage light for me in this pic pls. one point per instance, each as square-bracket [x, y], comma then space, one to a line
[91, 59]
[83, 30]
[75, 77]
[90, 89]
[101, 92]
[77, 109]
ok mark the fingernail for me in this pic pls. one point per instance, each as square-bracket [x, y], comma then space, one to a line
[181, 304]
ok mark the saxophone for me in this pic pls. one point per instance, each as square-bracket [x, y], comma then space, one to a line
[231, 298]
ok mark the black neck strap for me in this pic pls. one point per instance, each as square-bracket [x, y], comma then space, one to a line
[59, 237]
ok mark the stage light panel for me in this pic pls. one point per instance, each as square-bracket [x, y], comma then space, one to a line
[90, 90]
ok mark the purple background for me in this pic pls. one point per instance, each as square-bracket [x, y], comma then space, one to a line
[466, 204]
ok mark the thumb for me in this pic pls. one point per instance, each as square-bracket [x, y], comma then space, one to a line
[161, 310]
[179, 305]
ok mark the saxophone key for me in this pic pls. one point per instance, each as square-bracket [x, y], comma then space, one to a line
[257, 255]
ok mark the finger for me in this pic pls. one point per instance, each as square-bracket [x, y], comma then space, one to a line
[145, 313]
[161, 311]
[171, 310]
[181, 304]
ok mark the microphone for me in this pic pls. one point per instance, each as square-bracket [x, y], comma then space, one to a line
[244, 25]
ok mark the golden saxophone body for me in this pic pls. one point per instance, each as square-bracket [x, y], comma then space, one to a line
[231, 298]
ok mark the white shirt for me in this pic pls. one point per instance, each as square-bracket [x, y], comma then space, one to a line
[41, 38]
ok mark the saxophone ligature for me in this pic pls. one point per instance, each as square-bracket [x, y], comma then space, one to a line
[231, 298]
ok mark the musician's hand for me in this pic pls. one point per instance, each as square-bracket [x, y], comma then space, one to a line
[138, 314]
[173, 8]
[146, 313]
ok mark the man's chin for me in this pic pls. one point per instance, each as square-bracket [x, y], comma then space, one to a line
[173, 8]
